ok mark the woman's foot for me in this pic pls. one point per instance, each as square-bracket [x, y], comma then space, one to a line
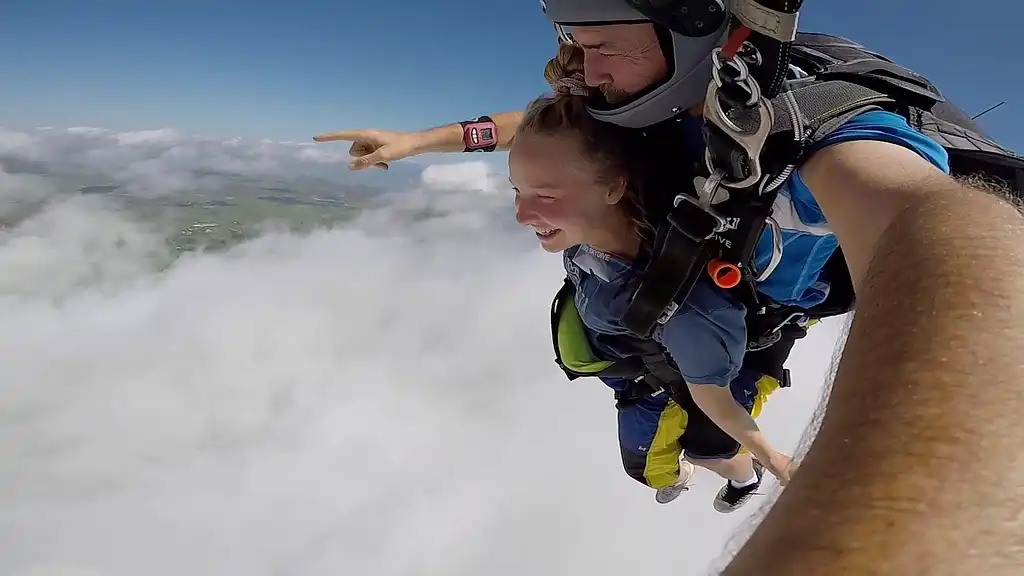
[671, 492]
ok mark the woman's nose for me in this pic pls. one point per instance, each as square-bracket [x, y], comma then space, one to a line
[524, 215]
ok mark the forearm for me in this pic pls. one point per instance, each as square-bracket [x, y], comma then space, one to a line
[720, 406]
[917, 467]
[448, 138]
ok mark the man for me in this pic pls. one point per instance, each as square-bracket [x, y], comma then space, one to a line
[864, 187]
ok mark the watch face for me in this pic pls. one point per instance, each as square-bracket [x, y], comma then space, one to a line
[479, 135]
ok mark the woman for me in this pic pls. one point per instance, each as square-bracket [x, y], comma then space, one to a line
[578, 184]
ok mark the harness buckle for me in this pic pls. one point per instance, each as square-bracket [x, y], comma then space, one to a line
[799, 318]
[668, 312]
[721, 224]
[640, 387]
[766, 341]
[771, 337]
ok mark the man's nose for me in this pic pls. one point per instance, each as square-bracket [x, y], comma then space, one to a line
[594, 70]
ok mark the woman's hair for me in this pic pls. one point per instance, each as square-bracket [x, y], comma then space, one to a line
[618, 154]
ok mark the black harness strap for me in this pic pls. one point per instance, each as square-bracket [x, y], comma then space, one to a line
[660, 376]
[769, 26]
[748, 71]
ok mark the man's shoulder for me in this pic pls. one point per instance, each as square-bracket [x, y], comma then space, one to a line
[885, 126]
[874, 125]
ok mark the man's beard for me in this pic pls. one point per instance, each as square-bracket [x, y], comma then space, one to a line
[613, 96]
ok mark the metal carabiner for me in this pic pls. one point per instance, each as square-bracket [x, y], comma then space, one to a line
[742, 76]
[751, 142]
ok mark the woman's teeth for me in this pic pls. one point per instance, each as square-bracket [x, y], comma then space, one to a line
[545, 231]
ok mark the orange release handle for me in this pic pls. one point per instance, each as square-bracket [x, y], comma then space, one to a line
[725, 274]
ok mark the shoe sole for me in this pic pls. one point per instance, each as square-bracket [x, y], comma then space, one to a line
[684, 480]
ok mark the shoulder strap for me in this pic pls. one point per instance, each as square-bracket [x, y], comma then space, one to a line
[830, 58]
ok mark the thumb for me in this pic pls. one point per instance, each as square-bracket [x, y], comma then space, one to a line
[378, 158]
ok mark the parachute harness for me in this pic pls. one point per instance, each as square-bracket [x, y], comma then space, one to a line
[707, 233]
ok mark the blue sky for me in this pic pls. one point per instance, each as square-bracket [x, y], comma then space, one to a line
[282, 70]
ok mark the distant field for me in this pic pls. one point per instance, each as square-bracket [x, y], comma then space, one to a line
[211, 220]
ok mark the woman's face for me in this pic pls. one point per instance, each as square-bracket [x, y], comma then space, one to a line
[557, 195]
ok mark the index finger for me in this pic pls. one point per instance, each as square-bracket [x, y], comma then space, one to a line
[350, 135]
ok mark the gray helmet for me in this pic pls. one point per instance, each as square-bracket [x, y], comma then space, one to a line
[690, 66]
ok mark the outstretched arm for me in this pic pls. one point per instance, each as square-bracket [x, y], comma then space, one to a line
[916, 468]
[378, 147]
[721, 407]
[448, 138]
[707, 339]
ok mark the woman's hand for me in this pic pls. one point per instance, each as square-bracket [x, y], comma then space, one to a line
[781, 466]
[378, 147]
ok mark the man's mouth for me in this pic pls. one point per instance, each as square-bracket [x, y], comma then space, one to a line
[614, 97]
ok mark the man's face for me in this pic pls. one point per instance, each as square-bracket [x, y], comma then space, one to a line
[621, 60]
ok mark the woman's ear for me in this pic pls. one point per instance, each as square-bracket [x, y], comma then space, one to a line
[616, 191]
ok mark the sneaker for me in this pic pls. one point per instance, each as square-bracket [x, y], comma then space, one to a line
[730, 498]
[671, 492]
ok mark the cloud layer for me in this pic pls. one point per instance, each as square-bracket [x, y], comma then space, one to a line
[162, 162]
[375, 399]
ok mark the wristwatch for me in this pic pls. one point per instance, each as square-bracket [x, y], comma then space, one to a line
[479, 134]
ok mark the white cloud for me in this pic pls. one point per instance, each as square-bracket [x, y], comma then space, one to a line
[167, 162]
[79, 244]
[378, 399]
[12, 142]
[477, 176]
[318, 153]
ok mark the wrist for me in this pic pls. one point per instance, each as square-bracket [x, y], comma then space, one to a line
[758, 446]
[479, 134]
[441, 139]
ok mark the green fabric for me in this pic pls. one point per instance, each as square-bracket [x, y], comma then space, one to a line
[575, 350]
